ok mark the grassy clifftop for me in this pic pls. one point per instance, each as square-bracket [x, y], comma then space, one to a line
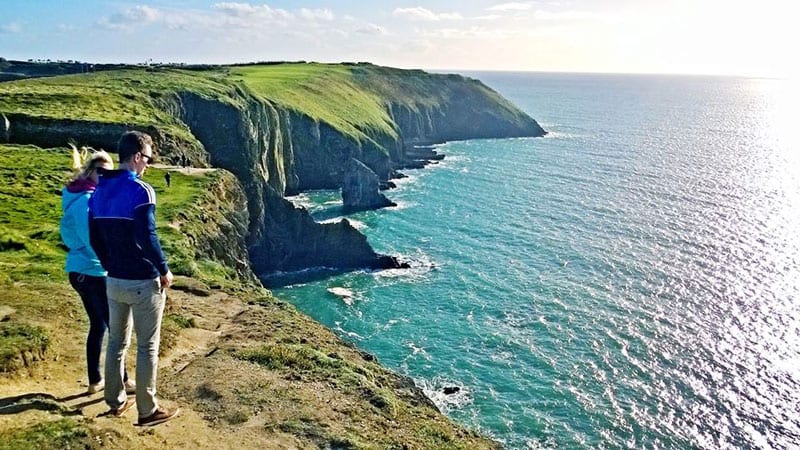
[325, 92]
[248, 370]
[353, 99]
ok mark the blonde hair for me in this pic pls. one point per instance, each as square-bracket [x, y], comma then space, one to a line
[88, 159]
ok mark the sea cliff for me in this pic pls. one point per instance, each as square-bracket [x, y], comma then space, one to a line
[280, 129]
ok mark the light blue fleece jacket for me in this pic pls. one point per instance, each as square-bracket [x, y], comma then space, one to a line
[75, 234]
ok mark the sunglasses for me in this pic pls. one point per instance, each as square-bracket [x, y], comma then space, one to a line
[148, 158]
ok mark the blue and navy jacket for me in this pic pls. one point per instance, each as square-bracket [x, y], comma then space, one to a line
[122, 227]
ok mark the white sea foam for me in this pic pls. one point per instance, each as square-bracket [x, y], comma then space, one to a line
[421, 265]
[345, 294]
[357, 224]
[434, 390]
[350, 334]
[563, 135]
[393, 322]
[417, 350]
[408, 179]
[403, 205]
[301, 200]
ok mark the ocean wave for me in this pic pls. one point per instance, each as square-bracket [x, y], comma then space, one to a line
[401, 204]
[434, 389]
[563, 135]
[301, 200]
[357, 224]
[349, 334]
[346, 295]
[421, 264]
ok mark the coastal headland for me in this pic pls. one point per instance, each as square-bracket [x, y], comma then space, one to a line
[248, 368]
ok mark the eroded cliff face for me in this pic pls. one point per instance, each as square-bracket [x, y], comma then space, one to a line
[257, 142]
[468, 115]
[461, 119]
[215, 229]
[326, 151]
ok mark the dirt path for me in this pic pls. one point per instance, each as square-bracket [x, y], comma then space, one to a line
[57, 388]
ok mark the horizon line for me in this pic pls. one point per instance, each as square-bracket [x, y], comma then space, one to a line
[149, 62]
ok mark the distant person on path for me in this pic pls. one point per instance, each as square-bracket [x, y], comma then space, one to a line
[86, 274]
[167, 178]
[123, 234]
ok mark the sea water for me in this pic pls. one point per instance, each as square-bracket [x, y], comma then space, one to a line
[630, 280]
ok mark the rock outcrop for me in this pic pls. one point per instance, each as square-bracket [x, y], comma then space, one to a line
[361, 188]
[5, 129]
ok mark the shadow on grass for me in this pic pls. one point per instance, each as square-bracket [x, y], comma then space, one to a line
[40, 401]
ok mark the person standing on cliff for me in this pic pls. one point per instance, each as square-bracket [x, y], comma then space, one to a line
[86, 274]
[123, 234]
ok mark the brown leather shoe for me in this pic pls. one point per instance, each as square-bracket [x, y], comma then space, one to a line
[160, 416]
[124, 408]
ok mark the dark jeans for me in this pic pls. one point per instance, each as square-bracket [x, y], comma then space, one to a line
[93, 295]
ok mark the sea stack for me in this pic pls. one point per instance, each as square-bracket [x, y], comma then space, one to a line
[361, 188]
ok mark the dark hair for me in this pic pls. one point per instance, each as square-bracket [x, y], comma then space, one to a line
[131, 143]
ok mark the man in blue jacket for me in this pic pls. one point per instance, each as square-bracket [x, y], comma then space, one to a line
[122, 232]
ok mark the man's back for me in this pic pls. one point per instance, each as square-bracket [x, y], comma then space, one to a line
[122, 227]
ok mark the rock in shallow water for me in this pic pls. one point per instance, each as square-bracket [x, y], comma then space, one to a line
[361, 188]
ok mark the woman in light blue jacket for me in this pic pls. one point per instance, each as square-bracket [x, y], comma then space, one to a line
[86, 274]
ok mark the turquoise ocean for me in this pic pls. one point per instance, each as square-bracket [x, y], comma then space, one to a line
[631, 280]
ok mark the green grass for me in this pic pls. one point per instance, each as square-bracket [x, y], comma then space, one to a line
[30, 212]
[21, 345]
[32, 256]
[135, 97]
[60, 434]
[325, 92]
[30, 209]
[305, 362]
[292, 356]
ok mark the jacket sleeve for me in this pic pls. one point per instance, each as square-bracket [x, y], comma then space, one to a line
[80, 213]
[95, 239]
[144, 225]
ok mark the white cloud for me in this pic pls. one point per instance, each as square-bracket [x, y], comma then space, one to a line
[12, 27]
[372, 29]
[423, 14]
[317, 14]
[513, 6]
[130, 18]
[466, 33]
[252, 12]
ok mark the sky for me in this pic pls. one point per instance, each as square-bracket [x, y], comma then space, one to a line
[734, 37]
